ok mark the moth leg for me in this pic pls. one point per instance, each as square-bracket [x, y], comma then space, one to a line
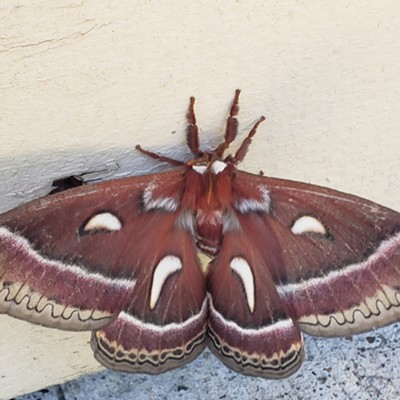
[244, 147]
[232, 122]
[192, 131]
[159, 157]
[231, 126]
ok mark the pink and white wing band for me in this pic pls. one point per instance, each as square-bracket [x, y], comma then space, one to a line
[131, 345]
[353, 299]
[55, 294]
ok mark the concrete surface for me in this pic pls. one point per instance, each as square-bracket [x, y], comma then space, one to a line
[362, 367]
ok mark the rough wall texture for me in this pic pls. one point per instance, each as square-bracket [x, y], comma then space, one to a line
[83, 81]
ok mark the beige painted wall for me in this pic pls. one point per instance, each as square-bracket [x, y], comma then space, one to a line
[82, 82]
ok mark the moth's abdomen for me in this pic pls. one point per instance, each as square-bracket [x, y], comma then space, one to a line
[209, 231]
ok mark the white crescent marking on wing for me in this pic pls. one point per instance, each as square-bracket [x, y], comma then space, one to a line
[242, 268]
[166, 267]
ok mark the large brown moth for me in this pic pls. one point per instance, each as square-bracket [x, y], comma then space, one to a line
[120, 258]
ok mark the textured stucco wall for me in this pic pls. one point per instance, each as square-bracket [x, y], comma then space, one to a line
[82, 82]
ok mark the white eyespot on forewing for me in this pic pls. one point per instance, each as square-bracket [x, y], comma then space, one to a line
[151, 202]
[251, 204]
[242, 268]
[308, 224]
[200, 169]
[166, 267]
[217, 166]
[104, 221]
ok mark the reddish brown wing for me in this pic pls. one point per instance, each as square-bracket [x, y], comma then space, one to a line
[297, 256]
[338, 267]
[249, 327]
[165, 322]
[76, 259]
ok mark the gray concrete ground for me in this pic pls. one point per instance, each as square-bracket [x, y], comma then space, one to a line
[363, 367]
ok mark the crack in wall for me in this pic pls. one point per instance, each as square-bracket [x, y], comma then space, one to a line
[55, 41]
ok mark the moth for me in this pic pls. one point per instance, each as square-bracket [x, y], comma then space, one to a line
[279, 258]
